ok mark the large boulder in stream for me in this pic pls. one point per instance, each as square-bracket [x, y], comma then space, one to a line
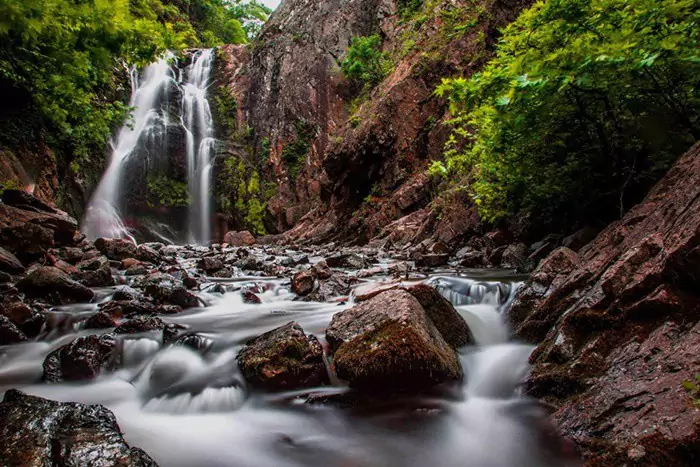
[39, 432]
[283, 359]
[83, 358]
[618, 330]
[443, 315]
[116, 249]
[389, 343]
[54, 285]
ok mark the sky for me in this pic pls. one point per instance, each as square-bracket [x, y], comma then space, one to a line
[270, 3]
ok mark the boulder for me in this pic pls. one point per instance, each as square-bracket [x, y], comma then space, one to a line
[39, 432]
[9, 263]
[283, 359]
[24, 317]
[118, 309]
[51, 284]
[148, 254]
[9, 332]
[210, 264]
[514, 256]
[250, 297]
[617, 330]
[83, 358]
[95, 272]
[116, 249]
[140, 324]
[431, 260]
[172, 295]
[303, 282]
[100, 320]
[388, 343]
[470, 258]
[372, 289]
[243, 238]
[443, 315]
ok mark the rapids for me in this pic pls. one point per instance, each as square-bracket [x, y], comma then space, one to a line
[190, 408]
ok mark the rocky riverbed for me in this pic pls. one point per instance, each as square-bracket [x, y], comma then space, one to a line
[255, 355]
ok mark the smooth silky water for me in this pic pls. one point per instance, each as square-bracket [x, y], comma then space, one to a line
[192, 408]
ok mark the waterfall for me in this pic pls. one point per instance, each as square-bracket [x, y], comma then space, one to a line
[199, 128]
[148, 142]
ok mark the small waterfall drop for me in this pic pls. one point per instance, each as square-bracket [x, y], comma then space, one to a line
[160, 137]
[199, 128]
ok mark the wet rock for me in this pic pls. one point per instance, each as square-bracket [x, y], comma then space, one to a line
[40, 432]
[140, 324]
[388, 343]
[177, 295]
[5, 277]
[127, 263]
[618, 331]
[443, 315]
[348, 260]
[303, 282]
[283, 359]
[210, 264]
[84, 358]
[101, 320]
[366, 291]
[148, 254]
[431, 260]
[57, 287]
[399, 268]
[9, 333]
[171, 332]
[194, 342]
[126, 293]
[119, 309]
[321, 270]
[95, 272]
[116, 248]
[470, 258]
[250, 263]
[27, 319]
[514, 256]
[73, 255]
[580, 238]
[243, 238]
[250, 297]
[9, 263]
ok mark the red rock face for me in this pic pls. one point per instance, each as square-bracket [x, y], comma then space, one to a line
[618, 330]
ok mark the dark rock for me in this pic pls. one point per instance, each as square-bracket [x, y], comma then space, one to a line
[83, 358]
[496, 255]
[49, 283]
[95, 272]
[126, 293]
[250, 297]
[100, 320]
[472, 259]
[580, 238]
[243, 238]
[388, 343]
[148, 254]
[72, 255]
[118, 309]
[40, 432]
[9, 263]
[210, 264]
[172, 295]
[27, 320]
[5, 277]
[283, 359]
[321, 270]
[140, 324]
[171, 331]
[443, 315]
[303, 282]
[9, 333]
[116, 249]
[431, 260]
[514, 256]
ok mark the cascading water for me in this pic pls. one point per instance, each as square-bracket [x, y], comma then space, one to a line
[102, 216]
[148, 147]
[188, 405]
[199, 128]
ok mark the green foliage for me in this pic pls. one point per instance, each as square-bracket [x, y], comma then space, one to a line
[693, 390]
[164, 191]
[10, 184]
[408, 8]
[294, 153]
[242, 196]
[365, 63]
[586, 102]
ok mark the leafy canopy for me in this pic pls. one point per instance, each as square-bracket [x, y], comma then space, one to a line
[584, 105]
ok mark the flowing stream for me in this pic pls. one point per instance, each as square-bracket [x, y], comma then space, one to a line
[192, 407]
[148, 141]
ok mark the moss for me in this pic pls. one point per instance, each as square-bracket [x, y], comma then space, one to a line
[295, 152]
[164, 191]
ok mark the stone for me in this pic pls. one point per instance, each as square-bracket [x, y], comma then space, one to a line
[580, 238]
[443, 315]
[100, 320]
[148, 254]
[140, 324]
[210, 264]
[176, 295]
[9, 332]
[9, 263]
[243, 238]
[372, 289]
[283, 359]
[303, 282]
[83, 358]
[514, 256]
[39, 432]
[116, 249]
[49, 283]
[388, 343]
[431, 260]
[119, 309]
[471, 258]
[250, 297]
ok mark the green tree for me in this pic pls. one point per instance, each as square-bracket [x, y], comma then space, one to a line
[585, 105]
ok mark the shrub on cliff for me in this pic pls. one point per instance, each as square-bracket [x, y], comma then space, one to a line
[365, 63]
[583, 107]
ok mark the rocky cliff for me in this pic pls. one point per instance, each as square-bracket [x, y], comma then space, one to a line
[618, 331]
[346, 164]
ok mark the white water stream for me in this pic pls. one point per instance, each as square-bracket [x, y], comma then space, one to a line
[192, 408]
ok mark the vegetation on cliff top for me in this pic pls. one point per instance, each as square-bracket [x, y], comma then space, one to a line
[583, 107]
